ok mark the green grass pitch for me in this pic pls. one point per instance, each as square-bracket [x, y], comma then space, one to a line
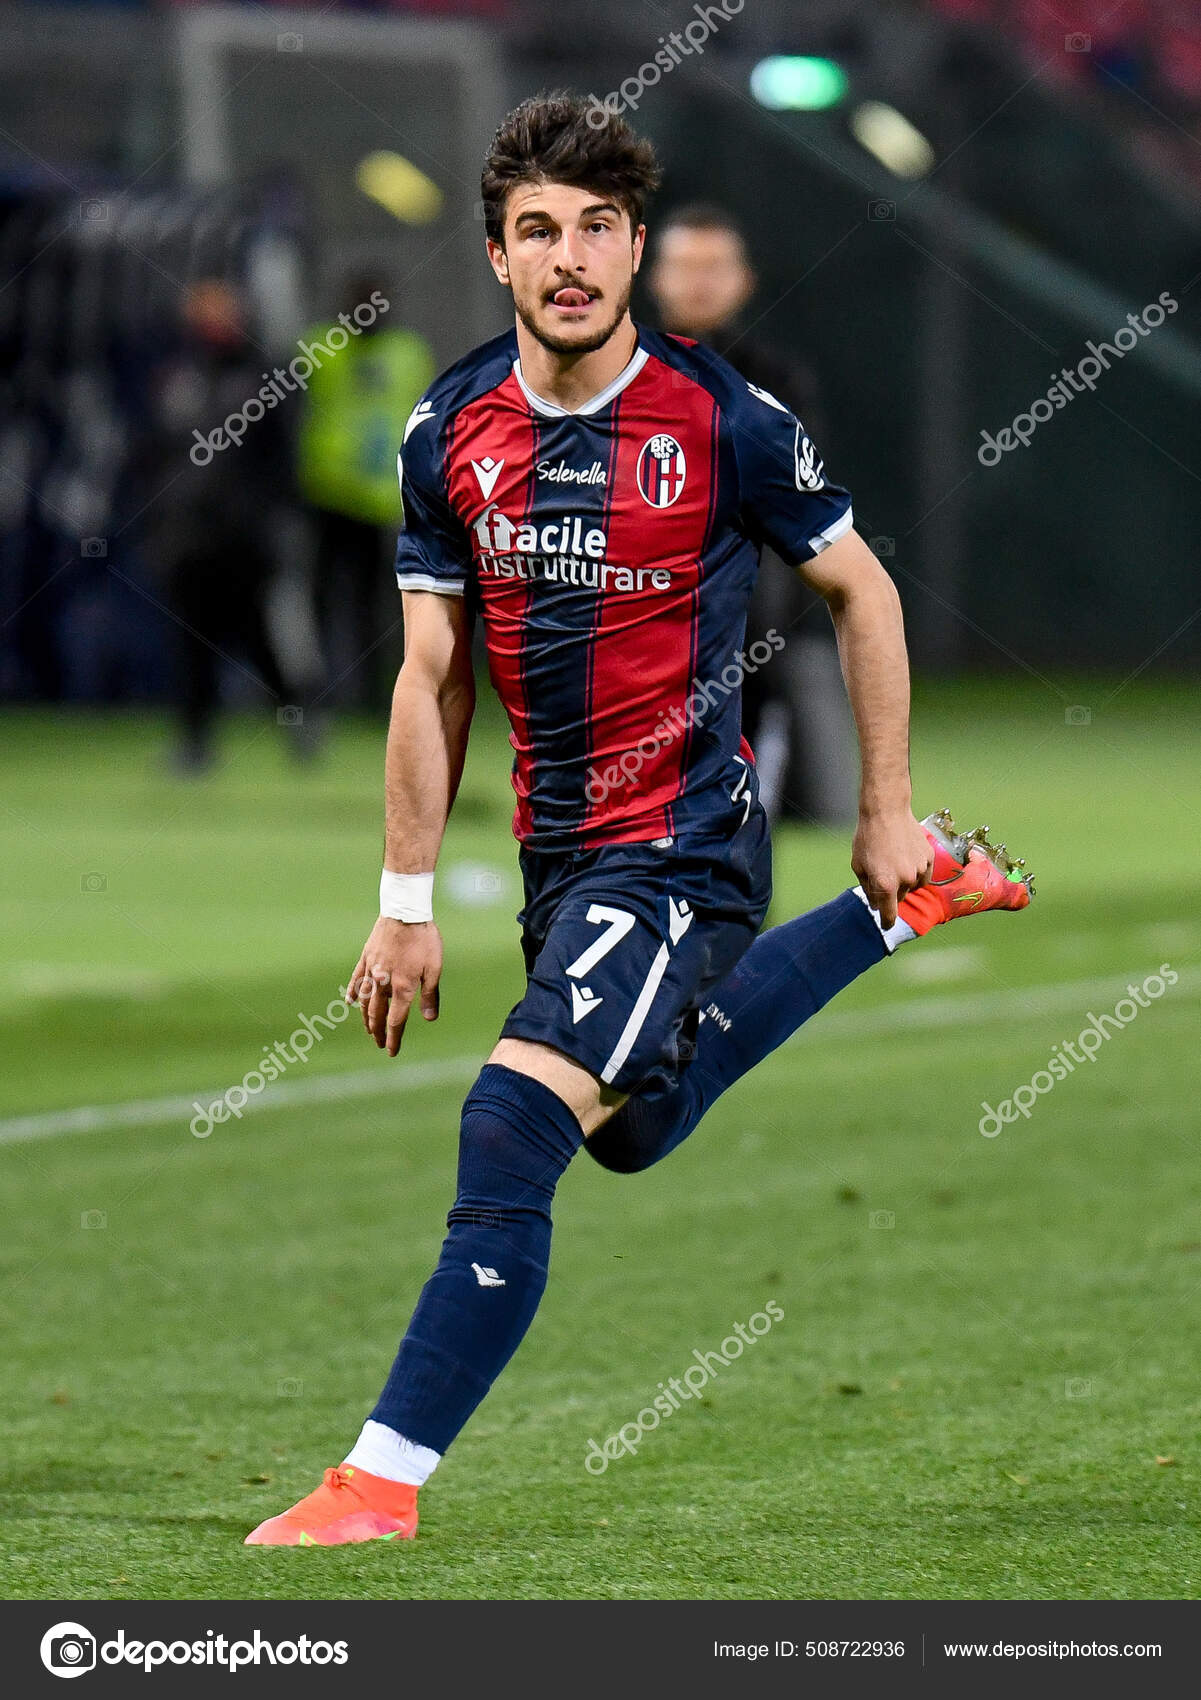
[985, 1381]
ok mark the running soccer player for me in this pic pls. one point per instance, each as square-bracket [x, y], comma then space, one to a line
[601, 493]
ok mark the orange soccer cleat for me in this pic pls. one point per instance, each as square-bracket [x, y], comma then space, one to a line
[350, 1505]
[970, 875]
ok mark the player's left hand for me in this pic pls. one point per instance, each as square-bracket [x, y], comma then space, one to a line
[400, 960]
[890, 856]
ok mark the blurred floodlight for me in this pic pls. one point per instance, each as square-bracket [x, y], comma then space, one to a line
[789, 82]
[889, 135]
[399, 187]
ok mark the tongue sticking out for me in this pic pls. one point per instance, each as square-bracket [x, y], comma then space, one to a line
[572, 298]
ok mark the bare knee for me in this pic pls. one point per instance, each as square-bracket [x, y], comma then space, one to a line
[591, 1102]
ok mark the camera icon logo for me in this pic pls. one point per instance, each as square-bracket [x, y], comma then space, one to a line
[68, 1649]
[290, 715]
[93, 882]
[882, 1219]
[289, 42]
[1078, 43]
[881, 211]
[1077, 715]
[882, 547]
[93, 547]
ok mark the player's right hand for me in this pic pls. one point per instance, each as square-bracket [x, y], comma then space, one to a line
[400, 959]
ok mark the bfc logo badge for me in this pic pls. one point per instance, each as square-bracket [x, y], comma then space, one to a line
[661, 471]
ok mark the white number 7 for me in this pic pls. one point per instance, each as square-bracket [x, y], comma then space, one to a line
[619, 924]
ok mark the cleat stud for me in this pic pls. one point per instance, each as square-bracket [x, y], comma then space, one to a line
[941, 823]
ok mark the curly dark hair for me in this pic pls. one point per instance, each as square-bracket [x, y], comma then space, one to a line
[560, 137]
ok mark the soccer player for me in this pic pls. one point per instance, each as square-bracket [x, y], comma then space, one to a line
[600, 494]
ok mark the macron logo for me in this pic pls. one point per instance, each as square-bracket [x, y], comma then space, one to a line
[583, 1002]
[419, 415]
[487, 1277]
[767, 396]
[679, 919]
[487, 471]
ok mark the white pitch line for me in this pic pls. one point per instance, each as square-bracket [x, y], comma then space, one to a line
[1031, 1003]
[321, 1088]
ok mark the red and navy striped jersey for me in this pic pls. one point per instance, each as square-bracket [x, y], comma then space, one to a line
[611, 553]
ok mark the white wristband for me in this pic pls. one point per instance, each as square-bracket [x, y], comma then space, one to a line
[406, 897]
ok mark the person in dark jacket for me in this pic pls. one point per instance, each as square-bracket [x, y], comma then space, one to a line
[219, 471]
[795, 713]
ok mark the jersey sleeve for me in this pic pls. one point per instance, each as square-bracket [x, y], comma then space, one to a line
[433, 551]
[784, 496]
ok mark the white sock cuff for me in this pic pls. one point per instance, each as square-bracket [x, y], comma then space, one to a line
[899, 933]
[382, 1452]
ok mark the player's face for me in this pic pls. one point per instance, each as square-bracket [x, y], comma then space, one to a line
[700, 279]
[569, 257]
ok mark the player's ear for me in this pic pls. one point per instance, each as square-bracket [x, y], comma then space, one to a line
[500, 262]
[639, 245]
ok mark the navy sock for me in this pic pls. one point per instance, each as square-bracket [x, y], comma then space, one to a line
[786, 976]
[517, 1138]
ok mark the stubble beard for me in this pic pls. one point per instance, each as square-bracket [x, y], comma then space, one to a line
[573, 345]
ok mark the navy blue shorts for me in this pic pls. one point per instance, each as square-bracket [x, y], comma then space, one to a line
[622, 944]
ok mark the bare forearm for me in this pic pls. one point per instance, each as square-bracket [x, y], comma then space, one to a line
[427, 741]
[871, 647]
[891, 854]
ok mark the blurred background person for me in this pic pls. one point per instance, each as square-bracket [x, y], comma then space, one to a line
[222, 508]
[352, 422]
[795, 711]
